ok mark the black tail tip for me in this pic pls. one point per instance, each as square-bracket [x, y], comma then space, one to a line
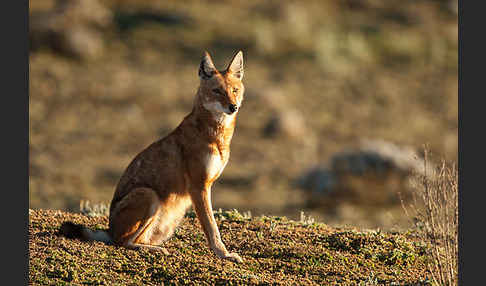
[71, 230]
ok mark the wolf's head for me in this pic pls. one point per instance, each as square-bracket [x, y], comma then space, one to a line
[221, 92]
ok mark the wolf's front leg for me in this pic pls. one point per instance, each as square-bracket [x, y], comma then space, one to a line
[201, 200]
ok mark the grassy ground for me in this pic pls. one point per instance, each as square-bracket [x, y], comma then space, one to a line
[276, 251]
[341, 70]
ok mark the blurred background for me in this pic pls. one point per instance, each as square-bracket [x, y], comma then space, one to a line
[340, 98]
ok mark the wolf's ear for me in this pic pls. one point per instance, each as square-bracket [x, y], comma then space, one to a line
[236, 65]
[206, 68]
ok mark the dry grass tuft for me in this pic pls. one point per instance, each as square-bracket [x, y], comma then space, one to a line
[435, 210]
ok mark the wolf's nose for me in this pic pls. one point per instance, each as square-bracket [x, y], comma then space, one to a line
[233, 108]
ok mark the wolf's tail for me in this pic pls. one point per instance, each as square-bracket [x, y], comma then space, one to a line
[72, 230]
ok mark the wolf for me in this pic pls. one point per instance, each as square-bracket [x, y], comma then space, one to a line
[177, 171]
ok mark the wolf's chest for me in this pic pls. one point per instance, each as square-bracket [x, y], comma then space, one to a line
[214, 165]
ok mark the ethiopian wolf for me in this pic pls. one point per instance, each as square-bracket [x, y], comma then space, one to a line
[177, 171]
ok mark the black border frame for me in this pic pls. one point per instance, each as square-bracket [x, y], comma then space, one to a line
[15, 87]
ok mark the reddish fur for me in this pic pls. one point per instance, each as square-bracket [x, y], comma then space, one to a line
[161, 181]
[164, 179]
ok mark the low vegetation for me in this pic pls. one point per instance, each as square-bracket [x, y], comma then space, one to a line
[276, 251]
[435, 212]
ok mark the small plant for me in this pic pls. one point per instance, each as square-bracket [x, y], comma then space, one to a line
[436, 217]
[306, 220]
[94, 210]
[233, 215]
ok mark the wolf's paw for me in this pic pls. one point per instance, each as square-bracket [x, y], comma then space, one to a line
[233, 256]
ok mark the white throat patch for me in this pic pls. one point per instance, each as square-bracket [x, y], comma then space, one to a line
[218, 111]
[214, 107]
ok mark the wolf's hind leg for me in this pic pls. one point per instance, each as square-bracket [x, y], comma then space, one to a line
[134, 218]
